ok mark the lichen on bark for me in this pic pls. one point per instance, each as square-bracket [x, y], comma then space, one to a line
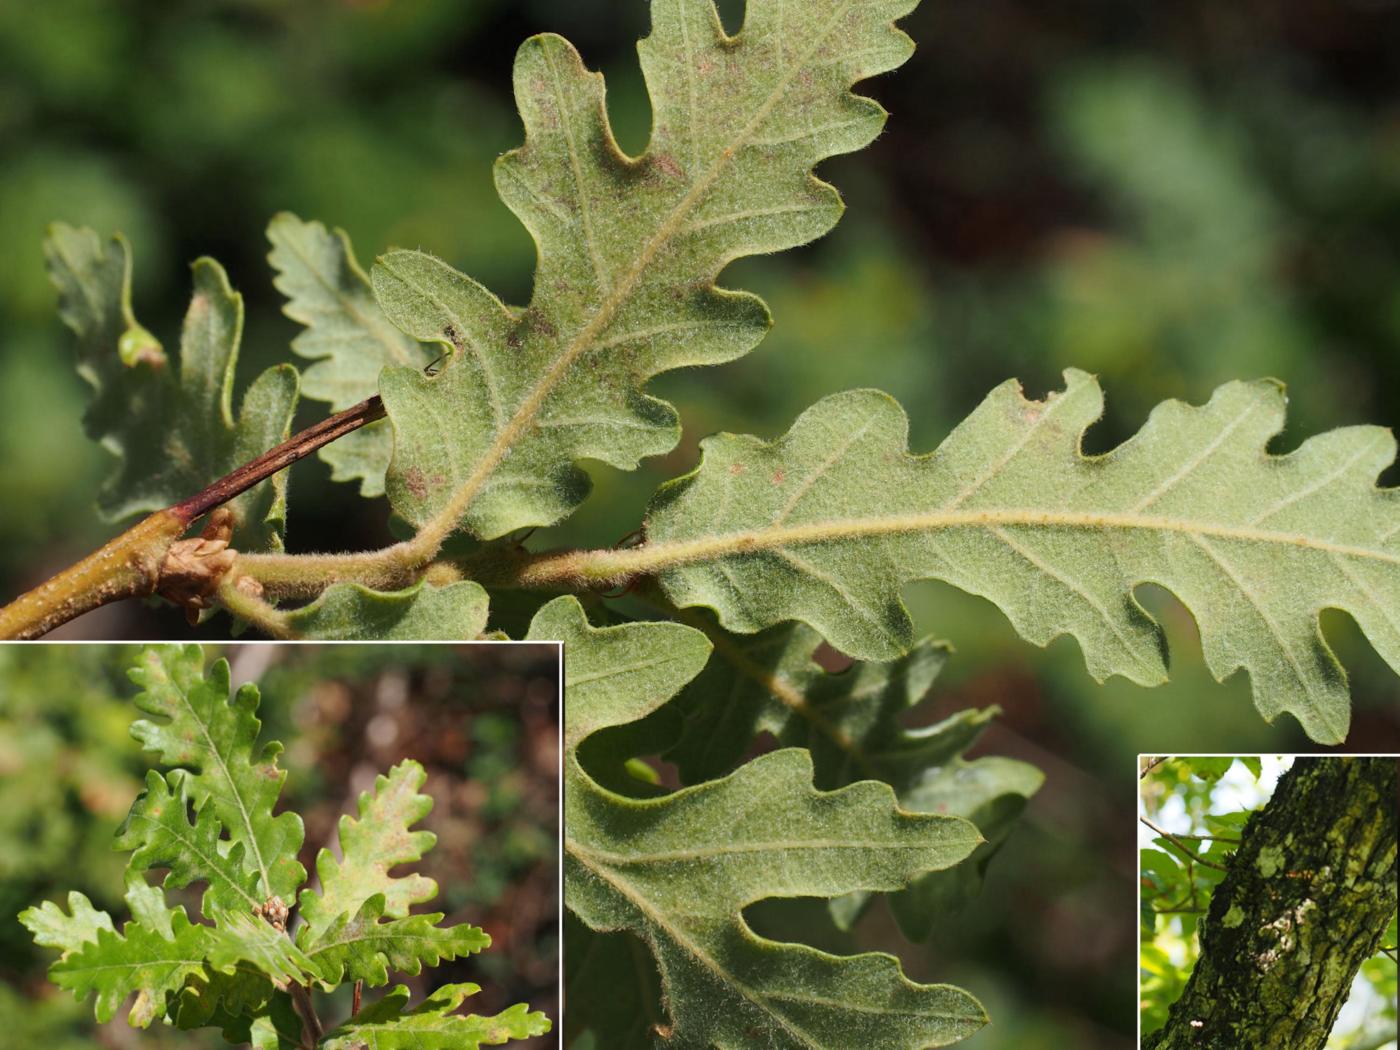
[1306, 900]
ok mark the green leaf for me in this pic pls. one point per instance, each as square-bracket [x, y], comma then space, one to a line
[628, 252]
[68, 933]
[351, 612]
[226, 1000]
[850, 723]
[612, 988]
[826, 524]
[620, 674]
[244, 939]
[678, 871]
[172, 434]
[369, 847]
[433, 1025]
[1208, 768]
[137, 960]
[159, 831]
[347, 335]
[148, 904]
[194, 725]
[361, 948]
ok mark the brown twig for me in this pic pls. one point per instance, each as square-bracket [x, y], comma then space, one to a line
[1176, 840]
[131, 565]
[312, 1030]
[1152, 765]
[274, 460]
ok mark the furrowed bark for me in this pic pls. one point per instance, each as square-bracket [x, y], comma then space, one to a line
[1306, 901]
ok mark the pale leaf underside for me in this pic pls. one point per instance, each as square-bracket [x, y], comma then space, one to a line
[346, 335]
[629, 248]
[826, 524]
[422, 612]
[679, 870]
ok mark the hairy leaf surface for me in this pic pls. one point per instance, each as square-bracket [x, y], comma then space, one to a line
[629, 249]
[352, 612]
[347, 336]
[433, 1025]
[679, 870]
[826, 523]
[172, 433]
[195, 725]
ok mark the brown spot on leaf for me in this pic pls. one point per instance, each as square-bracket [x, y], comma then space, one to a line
[779, 476]
[668, 165]
[416, 483]
[454, 337]
[736, 468]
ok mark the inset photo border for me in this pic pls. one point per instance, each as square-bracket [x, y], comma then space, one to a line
[1267, 901]
[282, 844]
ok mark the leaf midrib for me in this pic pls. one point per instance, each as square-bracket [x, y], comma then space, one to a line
[757, 997]
[445, 521]
[213, 865]
[253, 843]
[661, 555]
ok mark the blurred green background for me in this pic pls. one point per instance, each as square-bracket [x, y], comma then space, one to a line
[482, 720]
[1169, 195]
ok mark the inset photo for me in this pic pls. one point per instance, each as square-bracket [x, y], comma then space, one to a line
[1267, 901]
[280, 846]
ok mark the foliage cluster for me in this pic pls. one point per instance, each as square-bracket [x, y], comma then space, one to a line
[249, 968]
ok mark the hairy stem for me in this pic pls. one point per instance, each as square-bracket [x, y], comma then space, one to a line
[254, 610]
[130, 566]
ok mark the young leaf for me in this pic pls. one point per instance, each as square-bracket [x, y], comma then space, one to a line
[370, 846]
[347, 335]
[433, 1025]
[825, 524]
[351, 612]
[159, 832]
[679, 870]
[196, 726]
[137, 960]
[172, 434]
[361, 948]
[629, 249]
[243, 940]
[68, 933]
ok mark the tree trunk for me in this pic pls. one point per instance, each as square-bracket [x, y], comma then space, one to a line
[1307, 898]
